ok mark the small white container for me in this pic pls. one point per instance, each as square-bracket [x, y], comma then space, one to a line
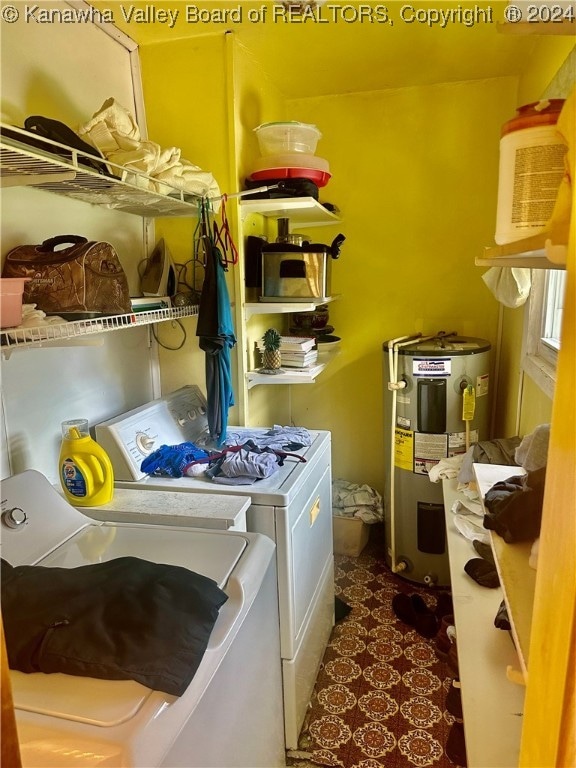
[277, 138]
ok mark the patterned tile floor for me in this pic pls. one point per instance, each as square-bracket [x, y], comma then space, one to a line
[379, 698]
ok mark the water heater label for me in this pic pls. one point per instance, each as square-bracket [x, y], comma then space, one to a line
[482, 385]
[435, 366]
[457, 441]
[428, 451]
[403, 448]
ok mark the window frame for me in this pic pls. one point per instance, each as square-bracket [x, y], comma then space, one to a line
[539, 359]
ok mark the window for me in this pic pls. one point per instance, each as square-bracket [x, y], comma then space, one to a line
[543, 327]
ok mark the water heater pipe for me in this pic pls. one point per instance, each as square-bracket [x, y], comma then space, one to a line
[394, 385]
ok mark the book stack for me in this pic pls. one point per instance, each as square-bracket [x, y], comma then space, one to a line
[297, 352]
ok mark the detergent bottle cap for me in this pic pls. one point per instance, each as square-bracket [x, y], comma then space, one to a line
[73, 429]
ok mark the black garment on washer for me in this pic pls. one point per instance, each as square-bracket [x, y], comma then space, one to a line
[124, 619]
[515, 507]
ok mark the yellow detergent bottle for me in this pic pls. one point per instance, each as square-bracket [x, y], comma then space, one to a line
[86, 472]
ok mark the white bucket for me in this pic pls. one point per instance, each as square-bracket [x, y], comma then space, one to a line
[531, 169]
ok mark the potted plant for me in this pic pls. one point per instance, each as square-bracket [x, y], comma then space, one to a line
[271, 358]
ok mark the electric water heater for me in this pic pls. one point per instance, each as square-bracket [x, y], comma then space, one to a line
[436, 405]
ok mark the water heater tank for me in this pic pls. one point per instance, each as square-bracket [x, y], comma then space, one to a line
[428, 427]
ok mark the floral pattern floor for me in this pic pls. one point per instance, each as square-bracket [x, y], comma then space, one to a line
[379, 698]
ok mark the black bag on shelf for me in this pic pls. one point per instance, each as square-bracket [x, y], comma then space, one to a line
[47, 128]
[285, 188]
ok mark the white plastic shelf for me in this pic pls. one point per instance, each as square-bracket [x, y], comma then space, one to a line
[62, 333]
[22, 165]
[300, 210]
[284, 307]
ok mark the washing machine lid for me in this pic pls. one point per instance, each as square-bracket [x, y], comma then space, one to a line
[111, 702]
[49, 518]
[211, 553]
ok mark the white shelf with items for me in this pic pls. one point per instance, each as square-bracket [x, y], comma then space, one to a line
[45, 168]
[61, 334]
[285, 307]
[300, 210]
[491, 703]
[293, 375]
[517, 578]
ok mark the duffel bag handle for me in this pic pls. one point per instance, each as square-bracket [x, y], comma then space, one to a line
[52, 242]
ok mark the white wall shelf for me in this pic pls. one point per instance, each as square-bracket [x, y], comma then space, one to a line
[293, 375]
[492, 704]
[61, 334]
[517, 578]
[300, 210]
[23, 165]
[288, 376]
[284, 307]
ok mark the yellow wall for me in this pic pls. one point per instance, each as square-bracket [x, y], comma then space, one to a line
[256, 100]
[185, 92]
[415, 175]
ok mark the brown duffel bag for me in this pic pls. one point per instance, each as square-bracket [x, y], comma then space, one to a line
[83, 277]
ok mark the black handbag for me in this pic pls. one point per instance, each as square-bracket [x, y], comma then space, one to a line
[40, 128]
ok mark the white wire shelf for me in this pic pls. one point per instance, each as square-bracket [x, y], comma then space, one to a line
[44, 168]
[57, 334]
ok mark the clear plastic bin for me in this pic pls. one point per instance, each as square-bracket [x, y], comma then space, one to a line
[276, 138]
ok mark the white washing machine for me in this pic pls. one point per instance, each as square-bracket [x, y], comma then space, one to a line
[65, 720]
[293, 507]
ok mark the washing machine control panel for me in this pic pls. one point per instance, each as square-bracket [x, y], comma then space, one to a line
[176, 418]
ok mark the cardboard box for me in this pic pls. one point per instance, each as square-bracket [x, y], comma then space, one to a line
[350, 535]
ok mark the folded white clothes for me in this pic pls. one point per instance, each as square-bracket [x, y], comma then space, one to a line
[465, 506]
[35, 318]
[446, 469]
[471, 528]
[115, 133]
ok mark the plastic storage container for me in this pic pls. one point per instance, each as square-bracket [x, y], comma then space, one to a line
[531, 169]
[85, 469]
[276, 138]
[11, 290]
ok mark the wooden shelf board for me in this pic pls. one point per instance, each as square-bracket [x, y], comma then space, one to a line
[491, 703]
[517, 578]
[542, 251]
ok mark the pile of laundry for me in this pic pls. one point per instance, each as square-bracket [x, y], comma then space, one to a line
[114, 132]
[239, 464]
[513, 507]
[353, 500]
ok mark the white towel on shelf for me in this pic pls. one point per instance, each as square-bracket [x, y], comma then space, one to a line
[115, 133]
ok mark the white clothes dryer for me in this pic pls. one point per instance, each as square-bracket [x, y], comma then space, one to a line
[293, 507]
[231, 712]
